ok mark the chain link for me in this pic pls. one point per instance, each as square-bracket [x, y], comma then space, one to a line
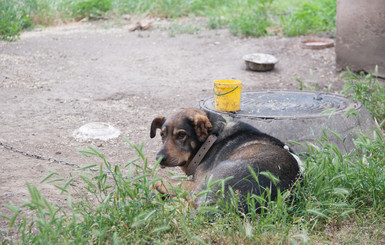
[50, 159]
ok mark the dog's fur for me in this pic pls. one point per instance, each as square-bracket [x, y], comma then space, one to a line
[238, 146]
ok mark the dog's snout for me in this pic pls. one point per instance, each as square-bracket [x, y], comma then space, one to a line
[161, 157]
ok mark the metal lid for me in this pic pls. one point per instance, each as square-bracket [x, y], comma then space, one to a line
[260, 58]
[281, 104]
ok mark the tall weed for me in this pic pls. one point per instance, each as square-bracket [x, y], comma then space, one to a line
[367, 89]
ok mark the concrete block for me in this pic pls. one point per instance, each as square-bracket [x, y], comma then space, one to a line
[360, 35]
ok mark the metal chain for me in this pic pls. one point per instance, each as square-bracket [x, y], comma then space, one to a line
[50, 159]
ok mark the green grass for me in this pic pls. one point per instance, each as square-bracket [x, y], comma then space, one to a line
[13, 19]
[341, 199]
[176, 28]
[368, 90]
[244, 17]
[91, 9]
[309, 17]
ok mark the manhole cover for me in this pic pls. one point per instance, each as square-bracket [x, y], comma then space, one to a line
[301, 116]
[96, 130]
[277, 104]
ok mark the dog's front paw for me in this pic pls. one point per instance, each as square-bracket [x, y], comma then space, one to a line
[160, 187]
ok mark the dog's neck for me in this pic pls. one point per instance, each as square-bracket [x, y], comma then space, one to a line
[191, 168]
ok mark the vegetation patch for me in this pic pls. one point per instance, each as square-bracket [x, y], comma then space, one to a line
[91, 9]
[309, 17]
[247, 17]
[368, 90]
[13, 20]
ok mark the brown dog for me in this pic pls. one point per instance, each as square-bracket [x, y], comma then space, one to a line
[208, 148]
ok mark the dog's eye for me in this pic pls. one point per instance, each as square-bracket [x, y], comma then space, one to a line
[181, 135]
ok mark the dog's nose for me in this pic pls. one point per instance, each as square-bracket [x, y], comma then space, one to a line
[161, 156]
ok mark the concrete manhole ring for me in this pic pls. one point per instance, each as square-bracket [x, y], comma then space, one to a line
[300, 116]
[96, 130]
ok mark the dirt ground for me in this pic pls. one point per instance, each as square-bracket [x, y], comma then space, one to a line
[54, 80]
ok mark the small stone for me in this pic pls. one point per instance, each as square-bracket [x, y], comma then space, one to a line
[9, 194]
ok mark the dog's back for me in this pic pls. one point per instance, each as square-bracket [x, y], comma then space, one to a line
[238, 148]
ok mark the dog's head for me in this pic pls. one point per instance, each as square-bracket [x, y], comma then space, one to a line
[182, 135]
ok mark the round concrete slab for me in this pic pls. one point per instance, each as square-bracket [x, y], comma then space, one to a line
[301, 116]
[96, 130]
[317, 43]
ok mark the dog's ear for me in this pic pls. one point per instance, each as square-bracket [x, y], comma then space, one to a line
[156, 123]
[202, 126]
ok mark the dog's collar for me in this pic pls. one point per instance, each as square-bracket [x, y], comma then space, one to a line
[200, 154]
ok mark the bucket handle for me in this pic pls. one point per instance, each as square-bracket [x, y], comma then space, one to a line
[226, 92]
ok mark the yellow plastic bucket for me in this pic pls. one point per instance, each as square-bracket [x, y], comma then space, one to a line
[227, 95]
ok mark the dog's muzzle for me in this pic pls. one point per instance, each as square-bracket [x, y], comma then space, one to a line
[162, 158]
